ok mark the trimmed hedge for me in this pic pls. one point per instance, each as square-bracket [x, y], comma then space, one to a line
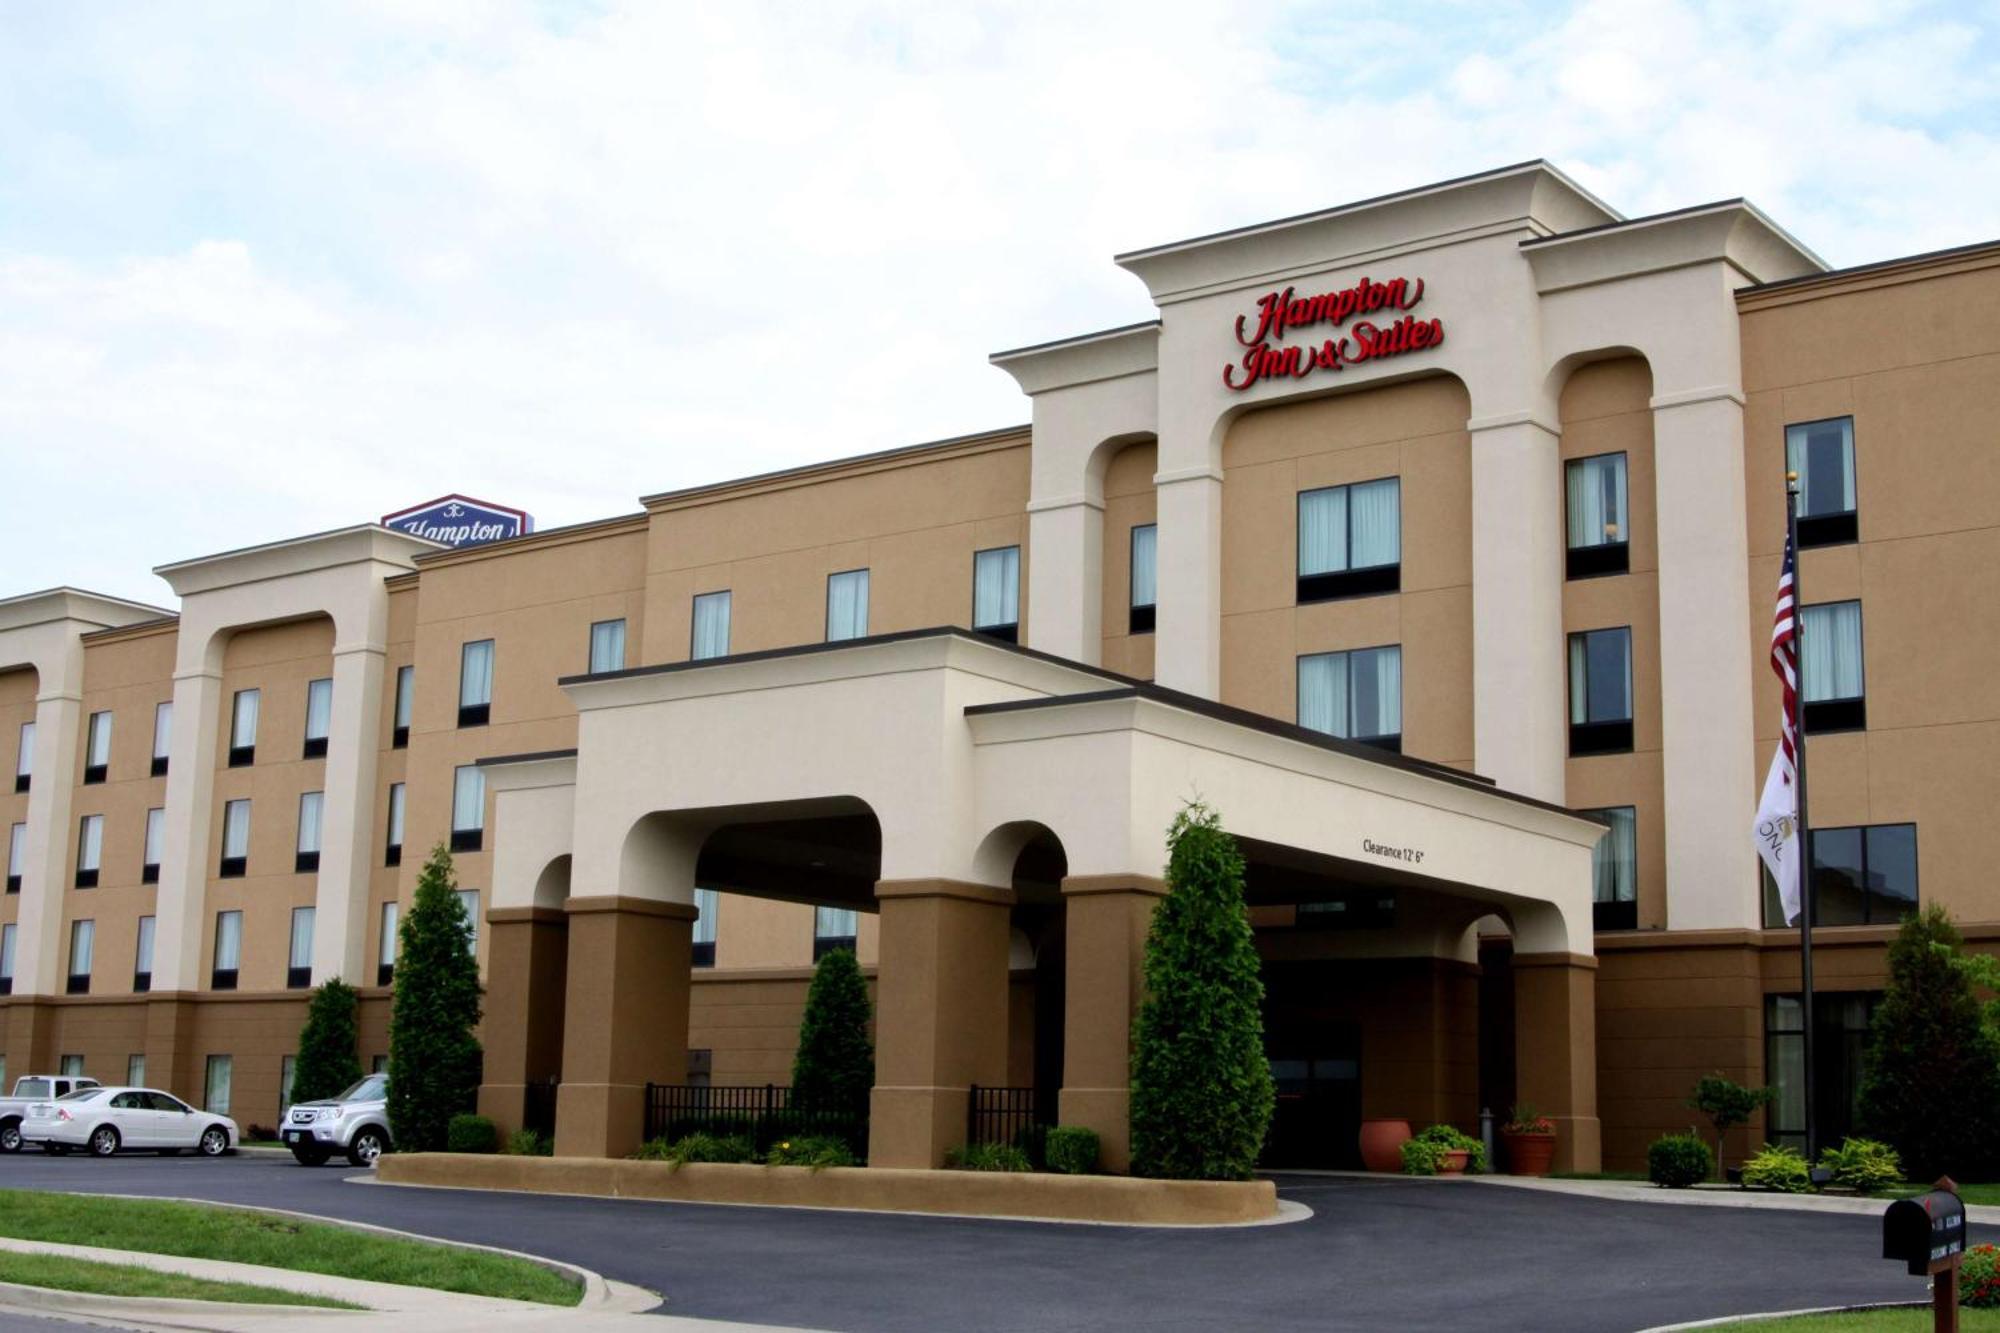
[1677, 1161]
[471, 1133]
[1071, 1150]
[988, 1157]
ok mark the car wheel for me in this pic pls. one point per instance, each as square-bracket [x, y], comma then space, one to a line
[366, 1147]
[10, 1136]
[214, 1141]
[309, 1156]
[103, 1141]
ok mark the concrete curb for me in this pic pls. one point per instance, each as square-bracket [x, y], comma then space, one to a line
[1632, 1191]
[1774, 1316]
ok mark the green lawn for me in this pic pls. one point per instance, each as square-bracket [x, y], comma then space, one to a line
[65, 1274]
[200, 1232]
[1869, 1321]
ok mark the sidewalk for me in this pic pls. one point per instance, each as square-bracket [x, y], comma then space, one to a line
[1718, 1196]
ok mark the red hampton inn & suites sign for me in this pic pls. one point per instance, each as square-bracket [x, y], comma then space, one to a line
[1388, 331]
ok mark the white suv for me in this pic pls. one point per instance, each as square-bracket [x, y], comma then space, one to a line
[355, 1123]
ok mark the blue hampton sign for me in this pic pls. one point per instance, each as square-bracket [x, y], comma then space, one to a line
[460, 520]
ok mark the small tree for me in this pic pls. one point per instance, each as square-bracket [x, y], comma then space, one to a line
[1727, 1104]
[1201, 1085]
[433, 1056]
[1932, 1087]
[327, 1062]
[835, 1065]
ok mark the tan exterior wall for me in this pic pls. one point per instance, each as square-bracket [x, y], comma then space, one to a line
[17, 705]
[1129, 501]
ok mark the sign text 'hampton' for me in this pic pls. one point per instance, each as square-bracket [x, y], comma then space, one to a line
[1370, 339]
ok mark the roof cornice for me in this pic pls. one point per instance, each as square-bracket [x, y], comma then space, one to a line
[1067, 362]
[95, 610]
[1731, 231]
[297, 555]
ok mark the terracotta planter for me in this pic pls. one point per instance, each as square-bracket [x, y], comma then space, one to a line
[1382, 1144]
[1453, 1162]
[1529, 1154]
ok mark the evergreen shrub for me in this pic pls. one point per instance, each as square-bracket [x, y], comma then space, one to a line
[1778, 1168]
[834, 1068]
[1676, 1161]
[813, 1150]
[1071, 1150]
[1863, 1165]
[471, 1133]
[433, 1056]
[988, 1157]
[327, 1063]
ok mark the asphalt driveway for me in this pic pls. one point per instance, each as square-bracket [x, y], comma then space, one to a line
[1377, 1254]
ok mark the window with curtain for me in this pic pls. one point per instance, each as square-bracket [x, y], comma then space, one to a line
[97, 748]
[607, 646]
[468, 808]
[393, 856]
[1355, 695]
[298, 966]
[89, 850]
[287, 1066]
[1350, 540]
[475, 683]
[711, 625]
[24, 757]
[1600, 691]
[1145, 578]
[1865, 875]
[1831, 690]
[385, 946]
[406, 703]
[156, 840]
[235, 839]
[847, 605]
[706, 904]
[468, 901]
[311, 804]
[319, 716]
[7, 933]
[215, 1085]
[243, 728]
[1599, 527]
[142, 956]
[82, 944]
[996, 592]
[834, 928]
[163, 735]
[228, 950]
[17, 852]
[1614, 865]
[70, 1066]
[1822, 453]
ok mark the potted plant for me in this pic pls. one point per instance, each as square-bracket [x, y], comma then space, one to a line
[1442, 1150]
[1382, 1144]
[1531, 1141]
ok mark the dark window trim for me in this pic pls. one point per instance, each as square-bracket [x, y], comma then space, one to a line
[86, 879]
[21, 781]
[222, 978]
[78, 984]
[467, 839]
[142, 982]
[1392, 743]
[1829, 529]
[305, 863]
[13, 883]
[315, 748]
[1831, 715]
[1010, 631]
[393, 855]
[149, 873]
[385, 974]
[233, 867]
[1588, 738]
[826, 944]
[1620, 915]
[399, 738]
[242, 756]
[298, 978]
[6, 985]
[474, 715]
[1368, 581]
[159, 769]
[1599, 561]
[93, 774]
[704, 953]
[1004, 633]
[1140, 619]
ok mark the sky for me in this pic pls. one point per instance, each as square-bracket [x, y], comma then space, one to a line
[269, 270]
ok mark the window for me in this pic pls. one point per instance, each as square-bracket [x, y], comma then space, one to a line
[1861, 876]
[235, 839]
[299, 961]
[156, 839]
[135, 1070]
[243, 729]
[82, 943]
[89, 850]
[228, 950]
[378, 1064]
[996, 592]
[475, 683]
[468, 899]
[1614, 866]
[385, 955]
[163, 735]
[705, 908]
[24, 757]
[306, 855]
[406, 698]
[1351, 540]
[142, 957]
[7, 933]
[1600, 691]
[17, 855]
[287, 1066]
[1599, 529]
[607, 646]
[319, 717]
[97, 749]
[1822, 453]
[833, 928]
[215, 1086]
[393, 855]
[847, 605]
[711, 626]
[468, 808]
[1355, 695]
[1145, 578]
[70, 1066]
[1840, 1057]
[1831, 694]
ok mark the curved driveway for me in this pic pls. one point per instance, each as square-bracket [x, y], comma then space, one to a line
[1377, 1254]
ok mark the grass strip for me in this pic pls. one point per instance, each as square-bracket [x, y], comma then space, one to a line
[1865, 1321]
[62, 1273]
[197, 1231]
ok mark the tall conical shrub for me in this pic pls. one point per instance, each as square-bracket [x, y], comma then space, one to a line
[433, 1056]
[835, 1065]
[1201, 1085]
[327, 1062]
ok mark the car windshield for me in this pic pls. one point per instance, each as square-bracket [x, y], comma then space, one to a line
[370, 1089]
[81, 1095]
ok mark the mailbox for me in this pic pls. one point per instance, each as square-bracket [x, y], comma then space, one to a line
[1927, 1232]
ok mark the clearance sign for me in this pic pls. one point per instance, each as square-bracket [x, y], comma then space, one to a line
[1385, 330]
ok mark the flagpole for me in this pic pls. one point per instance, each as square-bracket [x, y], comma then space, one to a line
[1804, 827]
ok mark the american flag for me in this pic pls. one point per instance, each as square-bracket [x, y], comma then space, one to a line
[1776, 827]
[1785, 661]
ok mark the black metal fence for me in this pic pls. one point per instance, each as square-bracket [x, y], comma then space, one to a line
[538, 1107]
[764, 1114]
[1006, 1115]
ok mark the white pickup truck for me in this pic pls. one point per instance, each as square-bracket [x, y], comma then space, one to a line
[33, 1088]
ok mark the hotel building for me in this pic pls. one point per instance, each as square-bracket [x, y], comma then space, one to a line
[1432, 539]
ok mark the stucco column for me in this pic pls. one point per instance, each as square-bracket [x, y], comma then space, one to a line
[625, 1018]
[1066, 578]
[527, 974]
[1105, 930]
[1188, 638]
[1518, 730]
[1706, 661]
[170, 1046]
[940, 1014]
[40, 965]
[184, 855]
[346, 819]
[1555, 1051]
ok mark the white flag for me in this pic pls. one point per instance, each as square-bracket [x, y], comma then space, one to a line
[1777, 833]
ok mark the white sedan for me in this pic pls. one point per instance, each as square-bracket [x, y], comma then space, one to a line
[105, 1120]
